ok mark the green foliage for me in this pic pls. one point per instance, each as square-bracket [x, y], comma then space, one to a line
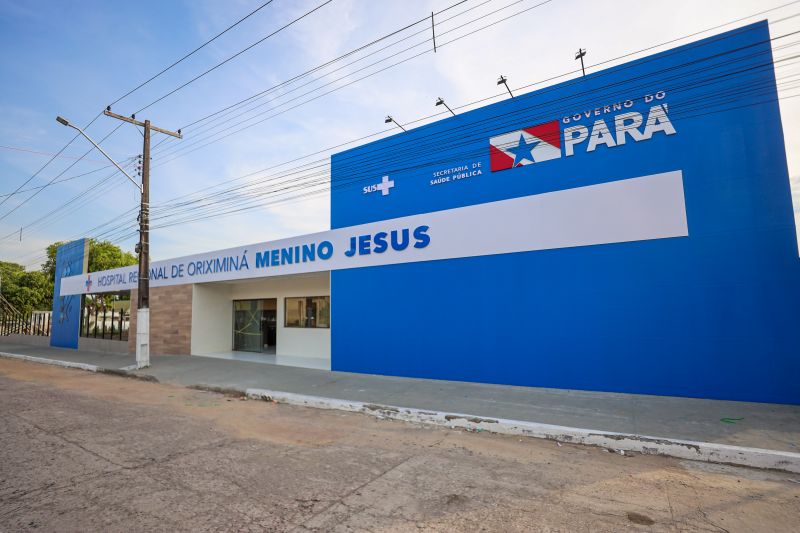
[103, 255]
[24, 290]
[33, 290]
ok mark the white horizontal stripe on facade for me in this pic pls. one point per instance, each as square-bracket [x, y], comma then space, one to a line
[636, 209]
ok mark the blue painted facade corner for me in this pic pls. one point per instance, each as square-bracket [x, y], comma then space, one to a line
[715, 314]
[71, 259]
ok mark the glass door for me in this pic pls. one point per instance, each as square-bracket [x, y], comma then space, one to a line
[254, 325]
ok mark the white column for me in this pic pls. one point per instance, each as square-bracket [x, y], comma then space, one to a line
[142, 338]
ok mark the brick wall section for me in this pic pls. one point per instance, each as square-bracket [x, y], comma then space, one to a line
[170, 320]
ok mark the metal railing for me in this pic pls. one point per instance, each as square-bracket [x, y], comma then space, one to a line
[33, 323]
[103, 323]
[97, 321]
[13, 321]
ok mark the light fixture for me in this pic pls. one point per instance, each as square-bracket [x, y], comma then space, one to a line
[65, 122]
[390, 119]
[502, 80]
[440, 101]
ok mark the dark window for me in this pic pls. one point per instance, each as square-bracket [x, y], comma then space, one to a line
[308, 312]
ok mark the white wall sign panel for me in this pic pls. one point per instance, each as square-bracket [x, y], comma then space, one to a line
[644, 208]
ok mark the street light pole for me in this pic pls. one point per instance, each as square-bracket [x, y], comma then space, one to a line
[440, 101]
[502, 80]
[67, 123]
[143, 293]
[580, 55]
[143, 248]
[390, 120]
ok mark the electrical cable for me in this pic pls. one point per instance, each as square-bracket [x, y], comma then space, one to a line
[187, 56]
[417, 146]
[739, 19]
[234, 56]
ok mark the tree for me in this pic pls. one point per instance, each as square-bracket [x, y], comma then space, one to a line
[103, 255]
[33, 290]
[26, 291]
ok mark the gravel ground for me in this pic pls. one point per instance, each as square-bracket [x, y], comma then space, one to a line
[91, 452]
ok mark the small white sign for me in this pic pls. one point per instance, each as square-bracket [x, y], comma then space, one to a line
[384, 186]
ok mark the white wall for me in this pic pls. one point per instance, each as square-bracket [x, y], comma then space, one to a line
[212, 314]
[212, 318]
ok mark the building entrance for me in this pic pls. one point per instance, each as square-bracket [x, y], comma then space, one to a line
[255, 325]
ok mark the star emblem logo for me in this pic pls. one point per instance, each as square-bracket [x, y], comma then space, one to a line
[522, 151]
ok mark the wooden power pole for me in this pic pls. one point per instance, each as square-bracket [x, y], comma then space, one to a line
[143, 302]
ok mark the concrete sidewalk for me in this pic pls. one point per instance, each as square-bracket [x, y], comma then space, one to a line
[754, 425]
[104, 360]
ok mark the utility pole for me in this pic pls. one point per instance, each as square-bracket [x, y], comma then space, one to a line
[143, 301]
[579, 55]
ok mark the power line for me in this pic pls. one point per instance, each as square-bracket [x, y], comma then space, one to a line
[209, 127]
[453, 5]
[62, 180]
[303, 196]
[332, 61]
[733, 99]
[706, 43]
[253, 98]
[58, 154]
[738, 90]
[194, 146]
[734, 95]
[237, 54]
[785, 4]
[38, 152]
[360, 163]
[93, 189]
[36, 193]
[221, 135]
[187, 56]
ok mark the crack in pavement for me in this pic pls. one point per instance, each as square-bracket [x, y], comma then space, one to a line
[350, 493]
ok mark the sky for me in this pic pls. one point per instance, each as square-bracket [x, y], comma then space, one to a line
[72, 58]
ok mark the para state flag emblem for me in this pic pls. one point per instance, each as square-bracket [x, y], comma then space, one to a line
[526, 146]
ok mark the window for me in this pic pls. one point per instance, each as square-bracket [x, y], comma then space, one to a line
[308, 312]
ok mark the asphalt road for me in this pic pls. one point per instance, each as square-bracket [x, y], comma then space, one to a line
[90, 452]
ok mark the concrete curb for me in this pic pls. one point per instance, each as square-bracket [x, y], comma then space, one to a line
[124, 372]
[55, 362]
[682, 449]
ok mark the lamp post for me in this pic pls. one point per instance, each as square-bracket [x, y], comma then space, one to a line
[440, 101]
[67, 123]
[143, 304]
[390, 120]
[580, 55]
[142, 314]
[142, 333]
[502, 80]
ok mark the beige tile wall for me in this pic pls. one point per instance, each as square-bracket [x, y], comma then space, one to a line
[170, 320]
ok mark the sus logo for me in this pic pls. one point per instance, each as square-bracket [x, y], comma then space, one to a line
[526, 146]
